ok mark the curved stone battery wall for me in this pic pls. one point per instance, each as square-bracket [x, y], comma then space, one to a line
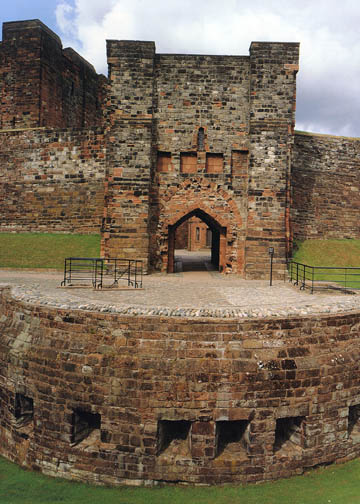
[111, 399]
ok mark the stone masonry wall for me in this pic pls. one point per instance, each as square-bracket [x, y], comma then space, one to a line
[272, 117]
[129, 126]
[52, 180]
[110, 399]
[208, 136]
[42, 84]
[203, 96]
[325, 185]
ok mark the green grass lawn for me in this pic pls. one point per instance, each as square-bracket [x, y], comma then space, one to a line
[45, 250]
[330, 253]
[336, 484]
[342, 253]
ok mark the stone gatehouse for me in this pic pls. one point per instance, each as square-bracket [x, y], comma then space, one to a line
[203, 136]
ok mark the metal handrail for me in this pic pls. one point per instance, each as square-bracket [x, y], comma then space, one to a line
[96, 270]
[324, 277]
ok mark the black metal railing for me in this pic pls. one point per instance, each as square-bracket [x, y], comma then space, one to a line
[101, 272]
[323, 277]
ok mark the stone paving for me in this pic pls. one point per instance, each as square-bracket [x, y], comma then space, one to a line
[200, 292]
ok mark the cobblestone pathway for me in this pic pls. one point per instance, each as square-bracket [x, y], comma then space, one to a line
[186, 293]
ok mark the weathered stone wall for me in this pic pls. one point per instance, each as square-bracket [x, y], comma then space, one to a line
[43, 85]
[129, 122]
[52, 180]
[325, 185]
[208, 93]
[272, 118]
[208, 136]
[176, 399]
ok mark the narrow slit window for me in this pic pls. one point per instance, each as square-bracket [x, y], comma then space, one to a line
[201, 140]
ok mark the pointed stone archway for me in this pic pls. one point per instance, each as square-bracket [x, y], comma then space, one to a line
[218, 247]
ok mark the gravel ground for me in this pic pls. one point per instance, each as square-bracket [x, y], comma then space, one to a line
[199, 293]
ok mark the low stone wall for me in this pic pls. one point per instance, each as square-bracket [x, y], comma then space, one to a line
[110, 399]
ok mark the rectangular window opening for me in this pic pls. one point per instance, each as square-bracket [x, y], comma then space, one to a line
[173, 437]
[83, 424]
[214, 163]
[188, 162]
[354, 421]
[163, 162]
[289, 433]
[232, 437]
[24, 409]
[239, 163]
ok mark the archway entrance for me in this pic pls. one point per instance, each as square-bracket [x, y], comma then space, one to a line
[202, 230]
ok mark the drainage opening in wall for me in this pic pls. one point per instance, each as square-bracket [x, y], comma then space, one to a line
[232, 437]
[354, 423]
[289, 433]
[173, 437]
[85, 425]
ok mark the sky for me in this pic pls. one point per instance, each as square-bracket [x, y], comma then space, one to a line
[328, 99]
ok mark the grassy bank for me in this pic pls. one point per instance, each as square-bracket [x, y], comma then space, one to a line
[337, 484]
[45, 250]
[342, 253]
[338, 254]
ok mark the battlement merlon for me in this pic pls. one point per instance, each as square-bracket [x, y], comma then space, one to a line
[130, 49]
[19, 29]
[273, 69]
[278, 53]
[131, 74]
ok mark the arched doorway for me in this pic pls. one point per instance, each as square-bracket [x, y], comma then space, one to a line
[218, 239]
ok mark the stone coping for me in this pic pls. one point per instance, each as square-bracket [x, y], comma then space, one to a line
[199, 294]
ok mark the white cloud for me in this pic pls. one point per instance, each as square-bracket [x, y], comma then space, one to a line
[65, 18]
[326, 29]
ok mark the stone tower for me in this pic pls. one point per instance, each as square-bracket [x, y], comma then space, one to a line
[204, 136]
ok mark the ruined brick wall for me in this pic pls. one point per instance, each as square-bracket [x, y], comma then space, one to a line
[325, 187]
[52, 180]
[203, 136]
[43, 85]
[115, 399]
